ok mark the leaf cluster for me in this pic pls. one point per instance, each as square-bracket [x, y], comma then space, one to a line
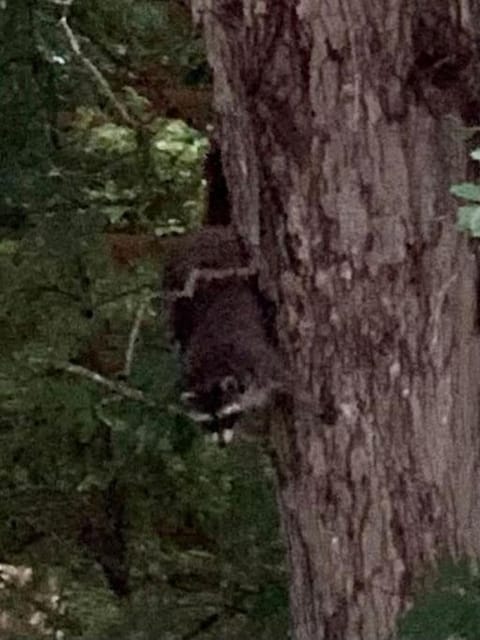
[469, 214]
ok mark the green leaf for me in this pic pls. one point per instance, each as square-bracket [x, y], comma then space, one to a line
[115, 213]
[469, 219]
[466, 190]
[112, 138]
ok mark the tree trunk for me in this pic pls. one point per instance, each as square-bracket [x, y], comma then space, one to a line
[341, 134]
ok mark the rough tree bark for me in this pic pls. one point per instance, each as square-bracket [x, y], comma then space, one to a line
[341, 135]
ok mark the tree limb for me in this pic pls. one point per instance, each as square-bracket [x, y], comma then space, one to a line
[130, 393]
[117, 387]
[101, 80]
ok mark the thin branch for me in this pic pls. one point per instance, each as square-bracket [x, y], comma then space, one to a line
[103, 419]
[117, 387]
[130, 393]
[101, 80]
[133, 337]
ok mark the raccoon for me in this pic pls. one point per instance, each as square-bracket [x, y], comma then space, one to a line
[219, 319]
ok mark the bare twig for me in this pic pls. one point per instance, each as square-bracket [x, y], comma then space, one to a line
[117, 387]
[103, 419]
[132, 339]
[101, 80]
[130, 393]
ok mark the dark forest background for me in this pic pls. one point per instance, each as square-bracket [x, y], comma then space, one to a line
[118, 519]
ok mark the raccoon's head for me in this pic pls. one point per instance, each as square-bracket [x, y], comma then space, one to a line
[220, 408]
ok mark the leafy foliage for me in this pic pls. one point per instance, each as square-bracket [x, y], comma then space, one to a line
[133, 523]
[469, 215]
[150, 176]
[448, 609]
